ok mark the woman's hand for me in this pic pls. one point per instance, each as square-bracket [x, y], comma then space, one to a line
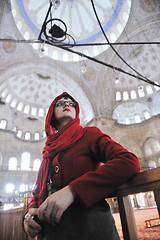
[53, 207]
[31, 227]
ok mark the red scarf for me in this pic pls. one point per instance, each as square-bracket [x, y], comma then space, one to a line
[59, 141]
[65, 137]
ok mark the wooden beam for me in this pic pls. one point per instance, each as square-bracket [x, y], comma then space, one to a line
[127, 218]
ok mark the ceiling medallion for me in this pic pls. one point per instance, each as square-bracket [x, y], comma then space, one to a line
[79, 19]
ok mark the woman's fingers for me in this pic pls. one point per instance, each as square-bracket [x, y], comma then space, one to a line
[58, 215]
[33, 211]
[31, 227]
[48, 211]
[53, 207]
[53, 214]
[41, 210]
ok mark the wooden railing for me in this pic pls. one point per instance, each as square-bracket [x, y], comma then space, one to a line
[10, 220]
[11, 224]
[142, 182]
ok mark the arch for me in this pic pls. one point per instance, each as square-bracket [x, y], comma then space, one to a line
[131, 145]
[64, 82]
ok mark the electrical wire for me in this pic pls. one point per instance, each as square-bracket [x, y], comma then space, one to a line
[63, 46]
[131, 47]
[143, 32]
[105, 64]
[77, 45]
[141, 76]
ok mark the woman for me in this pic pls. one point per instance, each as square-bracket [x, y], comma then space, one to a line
[71, 167]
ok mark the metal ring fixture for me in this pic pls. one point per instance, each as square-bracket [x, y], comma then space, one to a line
[52, 37]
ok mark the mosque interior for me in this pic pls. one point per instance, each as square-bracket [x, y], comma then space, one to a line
[109, 62]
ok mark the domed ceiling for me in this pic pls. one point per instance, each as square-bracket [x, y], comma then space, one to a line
[79, 18]
[32, 74]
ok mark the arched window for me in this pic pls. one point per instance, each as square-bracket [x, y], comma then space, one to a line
[27, 136]
[25, 162]
[127, 120]
[9, 188]
[26, 35]
[34, 111]
[26, 109]
[44, 134]
[146, 115]
[147, 150]
[118, 96]
[125, 95]
[36, 164]
[14, 103]
[23, 187]
[19, 134]
[20, 106]
[156, 146]
[137, 118]
[12, 163]
[36, 136]
[149, 89]
[156, 87]
[152, 164]
[141, 91]
[9, 97]
[41, 112]
[3, 124]
[151, 146]
[133, 94]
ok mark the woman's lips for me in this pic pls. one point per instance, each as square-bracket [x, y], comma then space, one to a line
[66, 109]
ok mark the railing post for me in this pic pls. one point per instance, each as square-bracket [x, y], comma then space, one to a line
[127, 218]
[157, 199]
[27, 198]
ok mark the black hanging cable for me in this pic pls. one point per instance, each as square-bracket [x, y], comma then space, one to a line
[137, 20]
[144, 78]
[131, 47]
[50, 1]
[103, 63]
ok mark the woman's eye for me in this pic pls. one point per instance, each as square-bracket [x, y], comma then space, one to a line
[58, 104]
[71, 104]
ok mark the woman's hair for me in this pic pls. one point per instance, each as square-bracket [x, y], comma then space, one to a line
[54, 123]
[65, 96]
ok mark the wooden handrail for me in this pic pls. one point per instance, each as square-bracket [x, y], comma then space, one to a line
[148, 180]
[142, 182]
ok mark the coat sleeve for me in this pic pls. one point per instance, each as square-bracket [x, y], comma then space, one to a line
[119, 165]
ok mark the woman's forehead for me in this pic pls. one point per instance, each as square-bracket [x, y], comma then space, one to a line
[64, 99]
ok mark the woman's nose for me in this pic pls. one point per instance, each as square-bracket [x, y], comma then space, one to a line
[66, 104]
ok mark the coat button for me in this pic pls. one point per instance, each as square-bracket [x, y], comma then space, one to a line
[56, 169]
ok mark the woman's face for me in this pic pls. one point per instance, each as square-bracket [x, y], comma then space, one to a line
[65, 111]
